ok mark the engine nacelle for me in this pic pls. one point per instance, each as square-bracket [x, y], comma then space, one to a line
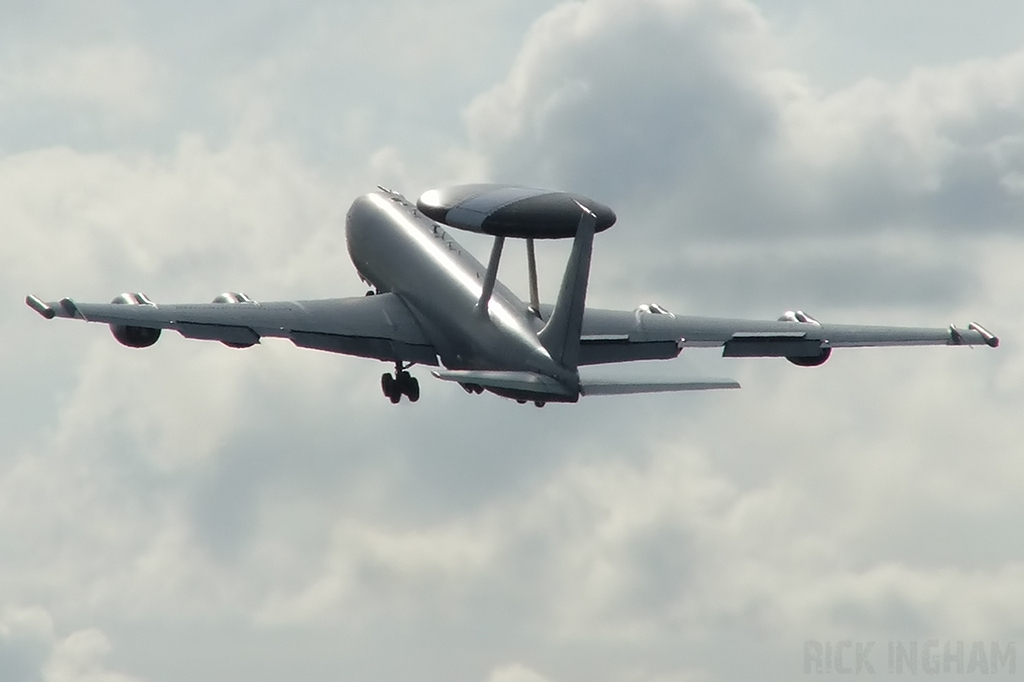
[813, 360]
[234, 297]
[129, 335]
[135, 337]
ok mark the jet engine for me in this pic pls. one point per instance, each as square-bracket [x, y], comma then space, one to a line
[129, 335]
[813, 360]
[800, 317]
[234, 298]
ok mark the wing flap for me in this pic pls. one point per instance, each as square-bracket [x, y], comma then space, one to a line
[242, 336]
[366, 347]
[605, 349]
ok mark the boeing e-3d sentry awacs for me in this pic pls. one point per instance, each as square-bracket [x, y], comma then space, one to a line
[434, 304]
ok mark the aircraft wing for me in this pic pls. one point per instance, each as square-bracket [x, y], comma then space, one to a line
[652, 333]
[380, 326]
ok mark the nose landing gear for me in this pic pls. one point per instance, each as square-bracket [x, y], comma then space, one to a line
[402, 383]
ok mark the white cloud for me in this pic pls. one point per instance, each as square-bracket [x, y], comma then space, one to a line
[120, 80]
[30, 650]
[366, 565]
[78, 659]
[102, 220]
[515, 672]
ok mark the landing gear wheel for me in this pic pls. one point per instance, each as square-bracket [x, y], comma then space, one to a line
[412, 389]
[402, 383]
[392, 389]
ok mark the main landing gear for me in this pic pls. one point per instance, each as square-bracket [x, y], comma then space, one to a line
[402, 383]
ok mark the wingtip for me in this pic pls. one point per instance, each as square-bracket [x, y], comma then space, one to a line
[40, 307]
[991, 340]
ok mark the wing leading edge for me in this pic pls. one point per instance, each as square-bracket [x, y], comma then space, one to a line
[380, 327]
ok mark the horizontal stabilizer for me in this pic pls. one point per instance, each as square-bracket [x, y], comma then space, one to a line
[624, 387]
[531, 382]
[538, 383]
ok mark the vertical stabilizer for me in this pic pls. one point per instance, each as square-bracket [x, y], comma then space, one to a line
[561, 335]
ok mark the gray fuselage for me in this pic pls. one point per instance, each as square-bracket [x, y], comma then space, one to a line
[397, 249]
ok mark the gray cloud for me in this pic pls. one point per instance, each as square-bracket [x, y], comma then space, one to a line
[757, 277]
[677, 113]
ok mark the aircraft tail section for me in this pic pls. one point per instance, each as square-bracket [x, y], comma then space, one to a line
[523, 382]
[561, 335]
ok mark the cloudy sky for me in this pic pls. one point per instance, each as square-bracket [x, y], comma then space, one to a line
[191, 512]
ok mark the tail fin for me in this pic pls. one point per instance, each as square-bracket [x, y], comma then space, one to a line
[561, 335]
